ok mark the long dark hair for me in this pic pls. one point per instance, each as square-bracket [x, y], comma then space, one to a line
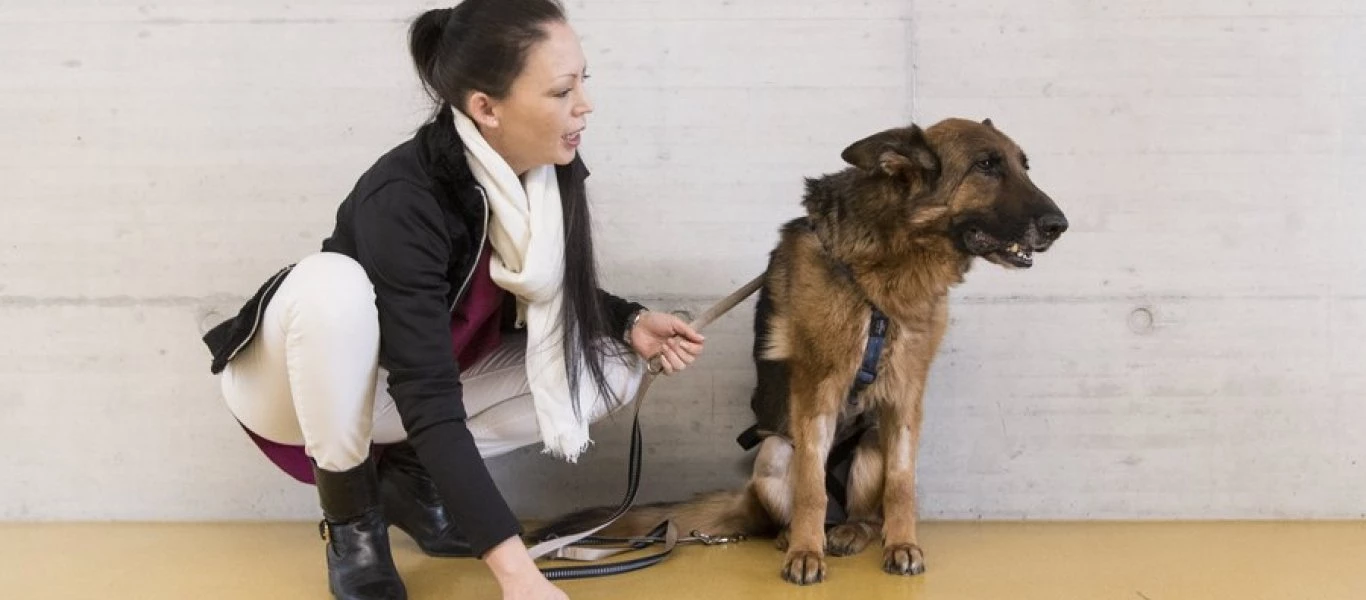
[482, 45]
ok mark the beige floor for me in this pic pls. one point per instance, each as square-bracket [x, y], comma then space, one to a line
[1053, 561]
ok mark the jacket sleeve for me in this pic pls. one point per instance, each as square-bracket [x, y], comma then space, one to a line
[403, 243]
[618, 311]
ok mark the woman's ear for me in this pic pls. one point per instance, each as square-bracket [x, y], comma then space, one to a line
[482, 110]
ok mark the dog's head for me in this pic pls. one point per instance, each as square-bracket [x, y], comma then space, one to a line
[968, 181]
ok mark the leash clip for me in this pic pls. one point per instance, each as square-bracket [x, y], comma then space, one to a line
[714, 540]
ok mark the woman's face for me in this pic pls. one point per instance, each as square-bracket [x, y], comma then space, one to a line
[540, 120]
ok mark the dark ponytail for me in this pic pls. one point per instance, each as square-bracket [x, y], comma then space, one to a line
[482, 45]
[424, 39]
[477, 45]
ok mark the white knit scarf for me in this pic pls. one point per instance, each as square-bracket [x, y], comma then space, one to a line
[527, 233]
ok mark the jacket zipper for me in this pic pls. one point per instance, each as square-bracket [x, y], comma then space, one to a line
[260, 310]
[478, 254]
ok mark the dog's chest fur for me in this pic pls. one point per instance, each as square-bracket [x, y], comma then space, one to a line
[901, 361]
[817, 324]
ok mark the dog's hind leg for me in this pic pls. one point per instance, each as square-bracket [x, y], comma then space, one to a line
[864, 499]
[772, 484]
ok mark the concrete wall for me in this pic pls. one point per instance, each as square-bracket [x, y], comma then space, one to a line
[1189, 349]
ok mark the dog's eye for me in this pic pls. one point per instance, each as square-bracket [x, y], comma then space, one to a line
[985, 165]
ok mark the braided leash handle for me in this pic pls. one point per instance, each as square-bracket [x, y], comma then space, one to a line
[558, 547]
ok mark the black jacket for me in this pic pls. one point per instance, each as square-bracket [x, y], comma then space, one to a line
[418, 236]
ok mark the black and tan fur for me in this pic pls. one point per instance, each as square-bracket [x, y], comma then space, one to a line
[896, 230]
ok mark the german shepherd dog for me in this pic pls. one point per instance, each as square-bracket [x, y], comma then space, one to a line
[892, 233]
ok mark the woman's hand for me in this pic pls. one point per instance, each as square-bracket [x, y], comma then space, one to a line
[517, 574]
[666, 341]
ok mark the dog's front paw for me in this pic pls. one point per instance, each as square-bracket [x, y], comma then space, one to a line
[849, 538]
[804, 567]
[903, 559]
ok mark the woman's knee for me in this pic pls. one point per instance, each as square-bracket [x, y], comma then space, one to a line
[330, 287]
[624, 376]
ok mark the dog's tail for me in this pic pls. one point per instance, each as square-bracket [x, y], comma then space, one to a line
[715, 513]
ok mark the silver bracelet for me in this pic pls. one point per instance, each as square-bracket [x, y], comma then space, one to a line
[631, 324]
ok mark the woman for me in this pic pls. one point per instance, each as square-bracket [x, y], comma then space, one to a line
[461, 272]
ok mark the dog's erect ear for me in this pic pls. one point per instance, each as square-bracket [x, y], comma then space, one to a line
[893, 152]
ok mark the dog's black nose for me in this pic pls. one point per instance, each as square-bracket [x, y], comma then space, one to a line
[1052, 225]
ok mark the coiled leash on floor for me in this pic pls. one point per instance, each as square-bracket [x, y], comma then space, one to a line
[580, 546]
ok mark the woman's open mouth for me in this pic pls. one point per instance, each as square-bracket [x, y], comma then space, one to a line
[572, 140]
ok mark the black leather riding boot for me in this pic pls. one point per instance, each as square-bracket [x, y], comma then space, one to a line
[412, 504]
[359, 563]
